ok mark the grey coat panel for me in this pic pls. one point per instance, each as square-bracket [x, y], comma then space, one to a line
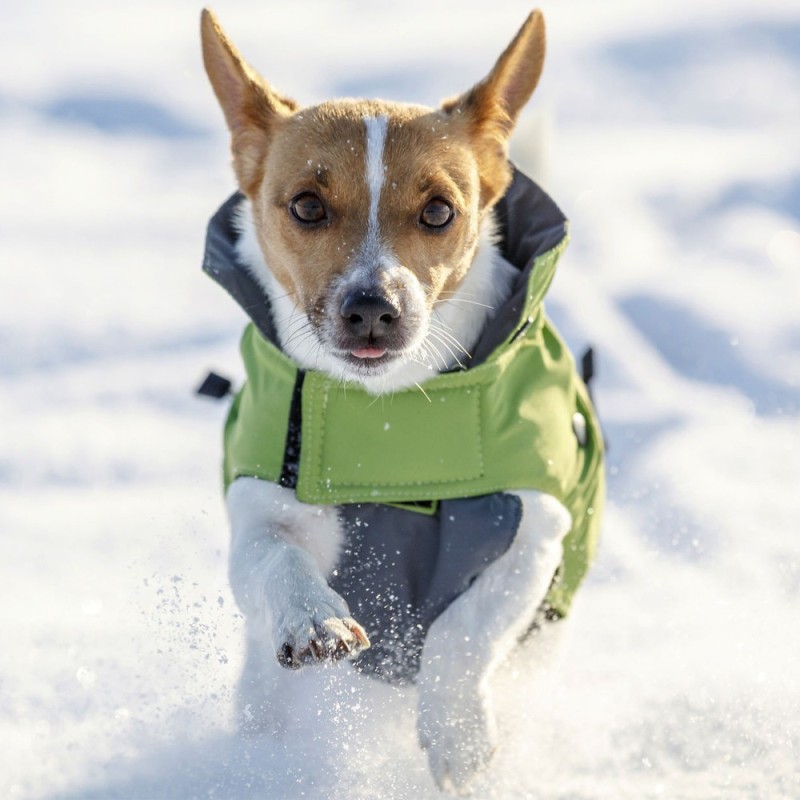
[401, 569]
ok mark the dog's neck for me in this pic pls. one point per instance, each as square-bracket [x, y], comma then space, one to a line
[456, 323]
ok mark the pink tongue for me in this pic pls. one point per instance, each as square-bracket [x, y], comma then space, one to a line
[368, 352]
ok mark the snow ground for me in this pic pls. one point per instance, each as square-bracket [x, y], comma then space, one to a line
[673, 137]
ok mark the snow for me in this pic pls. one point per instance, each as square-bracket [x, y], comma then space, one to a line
[672, 134]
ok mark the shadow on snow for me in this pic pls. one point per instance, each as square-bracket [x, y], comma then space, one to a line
[707, 355]
[120, 115]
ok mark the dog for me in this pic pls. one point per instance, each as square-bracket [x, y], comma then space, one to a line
[413, 468]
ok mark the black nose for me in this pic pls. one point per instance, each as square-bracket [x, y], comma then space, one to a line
[368, 315]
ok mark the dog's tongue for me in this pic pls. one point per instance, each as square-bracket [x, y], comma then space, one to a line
[368, 352]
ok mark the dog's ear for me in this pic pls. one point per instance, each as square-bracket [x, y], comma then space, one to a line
[492, 106]
[252, 108]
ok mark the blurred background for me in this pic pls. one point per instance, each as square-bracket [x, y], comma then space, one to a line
[669, 136]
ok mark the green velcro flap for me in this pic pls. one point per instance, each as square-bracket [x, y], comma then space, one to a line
[355, 446]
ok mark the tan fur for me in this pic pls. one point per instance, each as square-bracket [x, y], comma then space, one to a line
[321, 150]
[426, 156]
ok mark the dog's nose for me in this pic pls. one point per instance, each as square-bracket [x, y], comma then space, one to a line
[368, 315]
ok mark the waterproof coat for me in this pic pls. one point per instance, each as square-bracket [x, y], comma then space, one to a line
[425, 481]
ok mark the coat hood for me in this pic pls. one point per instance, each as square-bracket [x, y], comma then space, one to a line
[529, 224]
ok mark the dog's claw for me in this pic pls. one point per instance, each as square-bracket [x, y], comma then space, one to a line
[331, 639]
[358, 632]
[317, 649]
[286, 657]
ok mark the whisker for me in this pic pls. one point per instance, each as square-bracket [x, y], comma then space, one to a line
[424, 350]
[317, 351]
[299, 330]
[285, 296]
[300, 334]
[294, 316]
[418, 358]
[439, 328]
[450, 350]
[448, 337]
[421, 356]
[460, 290]
[295, 326]
[462, 300]
[423, 392]
[435, 354]
[437, 317]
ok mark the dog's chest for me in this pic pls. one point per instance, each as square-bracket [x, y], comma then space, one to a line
[400, 569]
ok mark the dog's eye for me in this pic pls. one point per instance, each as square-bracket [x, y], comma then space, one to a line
[307, 207]
[437, 213]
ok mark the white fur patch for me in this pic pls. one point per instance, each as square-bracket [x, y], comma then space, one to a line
[376, 172]
[260, 510]
[458, 319]
[373, 253]
[295, 335]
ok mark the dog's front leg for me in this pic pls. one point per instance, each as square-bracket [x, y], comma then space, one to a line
[473, 635]
[281, 550]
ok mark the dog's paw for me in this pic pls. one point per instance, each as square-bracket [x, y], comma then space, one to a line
[325, 634]
[459, 735]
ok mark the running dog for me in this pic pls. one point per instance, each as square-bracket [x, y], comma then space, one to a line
[413, 468]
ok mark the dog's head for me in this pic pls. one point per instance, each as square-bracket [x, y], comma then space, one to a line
[368, 213]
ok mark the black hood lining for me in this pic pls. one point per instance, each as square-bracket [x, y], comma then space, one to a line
[529, 224]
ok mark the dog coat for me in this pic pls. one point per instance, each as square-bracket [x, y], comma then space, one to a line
[424, 481]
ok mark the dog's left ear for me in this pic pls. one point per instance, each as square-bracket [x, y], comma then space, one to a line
[492, 106]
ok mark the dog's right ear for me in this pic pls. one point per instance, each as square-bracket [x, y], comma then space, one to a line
[252, 108]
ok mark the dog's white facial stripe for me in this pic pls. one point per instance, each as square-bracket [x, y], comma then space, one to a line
[376, 170]
[372, 250]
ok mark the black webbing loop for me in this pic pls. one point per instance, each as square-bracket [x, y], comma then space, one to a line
[214, 386]
[587, 367]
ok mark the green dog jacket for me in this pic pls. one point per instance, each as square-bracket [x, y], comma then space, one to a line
[425, 478]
